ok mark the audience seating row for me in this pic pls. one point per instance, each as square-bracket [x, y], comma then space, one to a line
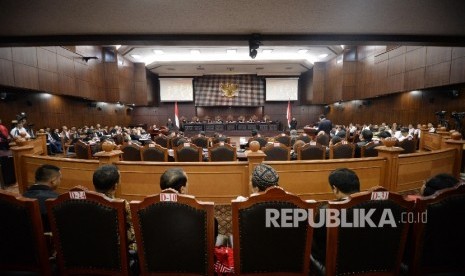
[175, 235]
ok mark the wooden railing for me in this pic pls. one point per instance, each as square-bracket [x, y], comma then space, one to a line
[222, 181]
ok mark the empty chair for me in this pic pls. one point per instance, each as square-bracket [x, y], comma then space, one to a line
[162, 140]
[409, 145]
[154, 152]
[131, 152]
[437, 239]
[368, 150]
[311, 152]
[341, 150]
[89, 233]
[175, 234]
[263, 250]
[322, 139]
[201, 141]
[277, 152]
[82, 150]
[374, 249]
[283, 139]
[222, 152]
[188, 153]
[22, 241]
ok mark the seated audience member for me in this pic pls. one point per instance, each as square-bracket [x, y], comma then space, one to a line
[332, 142]
[404, 134]
[431, 128]
[343, 183]
[47, 179]
[295, 147]
[436, 183]
[105, 180]
[176, 179]
[365, 137]
[263, 177]
[293, 134]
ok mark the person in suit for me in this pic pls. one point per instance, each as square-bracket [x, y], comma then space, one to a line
[293, 124]
[105, 180]
[343, 183]
[325, 125]
[47, 179]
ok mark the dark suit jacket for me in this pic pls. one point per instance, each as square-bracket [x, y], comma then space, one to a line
[41, 193]
[325, 126]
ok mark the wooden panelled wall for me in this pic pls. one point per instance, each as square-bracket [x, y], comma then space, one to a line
[402, 108]
[375, 71]
[62, 71]
[55, 111]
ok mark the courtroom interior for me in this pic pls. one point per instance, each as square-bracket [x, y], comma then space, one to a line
[157, 137]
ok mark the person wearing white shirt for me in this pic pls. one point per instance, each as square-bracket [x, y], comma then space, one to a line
[16, 132]
[431, 128]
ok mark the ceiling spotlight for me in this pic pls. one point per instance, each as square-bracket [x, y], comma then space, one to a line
[254, 44]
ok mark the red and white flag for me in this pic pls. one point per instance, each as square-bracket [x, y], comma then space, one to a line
[288, 114]
[176, 116]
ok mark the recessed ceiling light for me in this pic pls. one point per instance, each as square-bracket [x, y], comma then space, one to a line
[342, 46]
[322, 55]
[339, 60]
[136, 56]
[158, 52]
[302, 51]
[231, 51]
[267, 51]
[195, 52]
[117, 47]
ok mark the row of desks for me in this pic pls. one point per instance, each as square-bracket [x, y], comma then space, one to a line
[220, 127]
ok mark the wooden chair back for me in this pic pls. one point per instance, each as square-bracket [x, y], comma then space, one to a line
[277, 152]
[188, 153]
[180, 246]
[83, 150]
[162, 140]
[379, 248]
[341, 150]
[222, 152]
[89, 233]
[368, 150]
[154, 152]
[261, 249]
[409, 145]
[311, 152]
[131, 152]
[437, 239]
[22, 241]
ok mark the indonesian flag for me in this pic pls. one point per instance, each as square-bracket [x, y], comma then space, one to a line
[288, 114]
[176, 116]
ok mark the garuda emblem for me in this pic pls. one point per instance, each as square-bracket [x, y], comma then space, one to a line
[229, 89]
